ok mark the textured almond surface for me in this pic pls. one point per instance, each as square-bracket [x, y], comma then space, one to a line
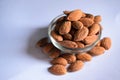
[69, 57]
[42, 42]
[47, 48]
[74, 15]
[97, 19]
[106, 43]
[95, 28]
[59, 60]
[77, 24]
[75, 66]
[87, 21]
[68, 44]
[81, 34]
[57, 69]
[67, 36]
[90, 16]
[54, 53]
[80, 44]
[97, 51]
[65, 28]
[84, 56]
[90, 39]
[56, 36]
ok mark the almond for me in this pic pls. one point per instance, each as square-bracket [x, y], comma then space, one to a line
[97, 51]
[75, 66]
[69, 57]
[56, 36]
[106, 43]
[68, 44]
[80, 44]
[84, 56]
[81, 34]
[95, 28]
[54, 53]
[87, 21]
[57, 69]
[65, 28]
[77, 24]
[60, 61]
[75, 15]
[99, 43]
[97, 19]
[90, 16]
[67, 36]
[47, 48]
[90, 39]
[42, 42]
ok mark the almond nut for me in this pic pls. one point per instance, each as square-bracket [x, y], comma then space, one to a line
[77, 24]
[97, 19]
[87, 21]
[56, 36]
[57, 69]
[47, 48]
[106, 43]
[84, 56]
[42, 42]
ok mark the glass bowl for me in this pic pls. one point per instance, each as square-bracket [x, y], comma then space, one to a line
[65, 49]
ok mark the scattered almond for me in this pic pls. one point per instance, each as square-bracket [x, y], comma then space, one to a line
[84, 56]
[54, 53]
[42, 42]
[97, 51]
[75, 66]
[69, 57]
[106, 43]
[57, 69]
[47, 48]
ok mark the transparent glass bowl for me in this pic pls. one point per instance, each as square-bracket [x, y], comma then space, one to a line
[65, 49]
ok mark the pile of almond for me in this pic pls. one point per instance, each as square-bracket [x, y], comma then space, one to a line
[75, 30]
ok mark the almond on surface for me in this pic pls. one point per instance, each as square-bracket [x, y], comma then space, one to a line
[57, 69]
[69, 57]
[106, 43]
[42, 42]
[54, 53]
[68, 44]
[84, 56]
[74, 15]
[97, 51]
[47, 48]
[65, 27]
[75, 66]
[81, 34]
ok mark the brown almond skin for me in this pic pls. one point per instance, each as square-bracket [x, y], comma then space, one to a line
[97, 51]
[87, 21]
[95, 28]
[57, 69]
[54, 53]
[80, 44]
[60, 61]
[65, 28]
[68, 44]
[47, 48]
[90, 39]
[42, 42]
[77, 24]
[69, 57]
[84, 57]
[99, 43]
[90, 16]
[81, 34]
[75, 66]
[106, 43]
[67, 36]
[75, 15]
[97, 19]
[56, 36]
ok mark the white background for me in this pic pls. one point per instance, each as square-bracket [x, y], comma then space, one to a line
[24, 22]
